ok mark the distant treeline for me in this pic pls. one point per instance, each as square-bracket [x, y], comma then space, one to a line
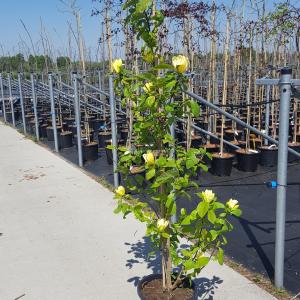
[41, 63]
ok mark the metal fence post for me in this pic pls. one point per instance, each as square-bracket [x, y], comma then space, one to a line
[267, 116]
[22, 102]
[3, 100]
[77, 118]
[11, 101]
[52, 100]
[113, 129]
[285, 98]
[34, 101]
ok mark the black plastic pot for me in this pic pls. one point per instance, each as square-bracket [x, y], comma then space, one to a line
[231, 135]
[159, 276]
[247, 161]
[222, 165]
[66, 139]
[268, 156]
[90, 151]
[50, 135]
[211, 148]
[296, 147]
[69, 120]
[103, 137]
[43, 130]
[196, 141]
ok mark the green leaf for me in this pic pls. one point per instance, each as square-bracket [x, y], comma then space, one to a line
[211, 216]
[202, 262]
[195, 108]
[202, 208]
[170, 200]
[220, 256]
[236, 212]
[143, 5]
[150, 101]
[150, 174]
[186, 221]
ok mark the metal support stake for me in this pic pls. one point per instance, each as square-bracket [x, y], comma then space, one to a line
[77, 118]
[3, 100]
[102, 106]
[50, 79]
[267, 116]
[34, 101]
[22, 102]
[285, 98]
[11, 101]
[113, 130]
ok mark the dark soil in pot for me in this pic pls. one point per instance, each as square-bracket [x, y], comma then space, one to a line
[222, 165]
[50, 134]
[268, 156]
[296, 147]
[247, 161]
[66, 139]
[90, 151]
[150, 288]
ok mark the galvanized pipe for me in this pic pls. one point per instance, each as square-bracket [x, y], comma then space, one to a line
[34, 101]
[211, 134]
[285, 98]
[113, 130]
[52, 100]
[22, 102]
[267, 115]
[77, 118]
[11, 101]
[3, 100]
[226, 114]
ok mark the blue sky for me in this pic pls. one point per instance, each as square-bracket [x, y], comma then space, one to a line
[55, 22]
[54, 19]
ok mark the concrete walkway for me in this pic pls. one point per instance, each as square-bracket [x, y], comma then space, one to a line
[59, 238]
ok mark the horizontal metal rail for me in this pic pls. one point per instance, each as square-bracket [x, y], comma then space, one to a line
[237, 120]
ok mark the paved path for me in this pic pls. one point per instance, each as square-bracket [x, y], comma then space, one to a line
[59, 238]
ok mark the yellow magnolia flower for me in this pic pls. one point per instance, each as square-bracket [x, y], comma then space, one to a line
[117, 65]
[149, 158]
[208, 195]
[180, 63]
[162, 224]
[147, 87]
[120, 191]
[232, 204]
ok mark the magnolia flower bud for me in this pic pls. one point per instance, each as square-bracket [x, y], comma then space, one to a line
[180, 63]
[232, 204]
[149, 158]
[208, 195]
[162, 224]
[120, 191]
[117, 65]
